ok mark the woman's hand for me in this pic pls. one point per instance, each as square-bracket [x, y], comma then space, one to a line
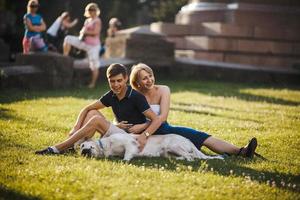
[138, 128]
[142, 139]
[82, 31]
[124, 125]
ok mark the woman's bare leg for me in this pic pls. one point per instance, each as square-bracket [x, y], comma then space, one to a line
[220, 146]
[66, 48]
[95, 74]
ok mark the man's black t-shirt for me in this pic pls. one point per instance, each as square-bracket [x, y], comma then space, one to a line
[130, 108]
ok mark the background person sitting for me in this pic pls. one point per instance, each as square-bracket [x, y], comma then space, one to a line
[114, 26]
[59, 29]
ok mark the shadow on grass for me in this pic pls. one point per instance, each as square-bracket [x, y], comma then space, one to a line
[231, 167]
[7, 114]
[212, 88]
[6, 193]
[226, 89]
[199, 112]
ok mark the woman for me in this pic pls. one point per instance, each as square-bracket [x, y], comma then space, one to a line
[158, 96]
[34, 25]
[59, 29]
[88, 40]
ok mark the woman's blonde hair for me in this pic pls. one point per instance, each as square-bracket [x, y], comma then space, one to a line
[135, 73]
[31, 2]
[91, 6]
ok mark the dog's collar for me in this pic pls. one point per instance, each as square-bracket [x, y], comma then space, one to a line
[100, 144]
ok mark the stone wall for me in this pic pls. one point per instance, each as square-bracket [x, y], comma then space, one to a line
[57, 69]
[142, 45]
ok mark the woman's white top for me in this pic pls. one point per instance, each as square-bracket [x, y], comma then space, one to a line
[53, 29]
[155, 108]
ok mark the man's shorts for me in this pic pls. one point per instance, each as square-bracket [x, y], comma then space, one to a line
[113, 129]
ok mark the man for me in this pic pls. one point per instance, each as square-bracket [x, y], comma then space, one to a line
[129, 106]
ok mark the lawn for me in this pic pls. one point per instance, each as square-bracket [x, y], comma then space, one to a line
[31, 120]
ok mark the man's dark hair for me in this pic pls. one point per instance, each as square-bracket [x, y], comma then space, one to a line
[116, 69]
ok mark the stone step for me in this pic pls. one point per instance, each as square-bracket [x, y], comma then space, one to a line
[21, 76]
[207, 43]
[241, 58]
[227, 30]
[202, 69]
[239, 13]
[243, 17]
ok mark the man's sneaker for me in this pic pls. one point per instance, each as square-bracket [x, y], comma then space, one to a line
[47, 151]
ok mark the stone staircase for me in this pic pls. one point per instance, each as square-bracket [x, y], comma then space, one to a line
[242, 33]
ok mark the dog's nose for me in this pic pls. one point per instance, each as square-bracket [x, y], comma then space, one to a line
[86, 152]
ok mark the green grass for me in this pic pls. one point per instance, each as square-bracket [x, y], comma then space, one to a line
[31, 120]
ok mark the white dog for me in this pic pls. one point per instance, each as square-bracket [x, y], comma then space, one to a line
[125, 145]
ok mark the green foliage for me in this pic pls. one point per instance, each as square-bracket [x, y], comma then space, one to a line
[167, 9]
[31, 120]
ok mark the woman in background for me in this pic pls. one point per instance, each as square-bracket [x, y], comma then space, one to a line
[88, 40]
[34, 26]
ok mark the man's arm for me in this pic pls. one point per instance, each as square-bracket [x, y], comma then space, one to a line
[153, 126]
[93, 106]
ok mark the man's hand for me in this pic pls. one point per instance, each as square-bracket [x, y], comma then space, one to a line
[142, 139]
[136, 129]
[124, 125]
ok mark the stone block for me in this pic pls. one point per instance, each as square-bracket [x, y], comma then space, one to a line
[196, 18]
[57, 69]
[292, 34]
[261, 60]
[213, 56]
[210, 43]
[171, 29]
[179, 42]
[28, 77]
[142, 45]
[5, 51]
[261, 18]
[230, 30]
[227, 44]
[233, 72]
[270, 32]
[267, 47]
[296, 48]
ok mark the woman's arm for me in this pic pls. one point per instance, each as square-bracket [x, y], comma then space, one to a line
[33, 28]
[29, 25]
[153, 126]
[164, 112]
[43, 26]
[93, 106]
[164, 102]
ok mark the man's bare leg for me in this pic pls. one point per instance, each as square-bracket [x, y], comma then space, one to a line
[94, 121]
